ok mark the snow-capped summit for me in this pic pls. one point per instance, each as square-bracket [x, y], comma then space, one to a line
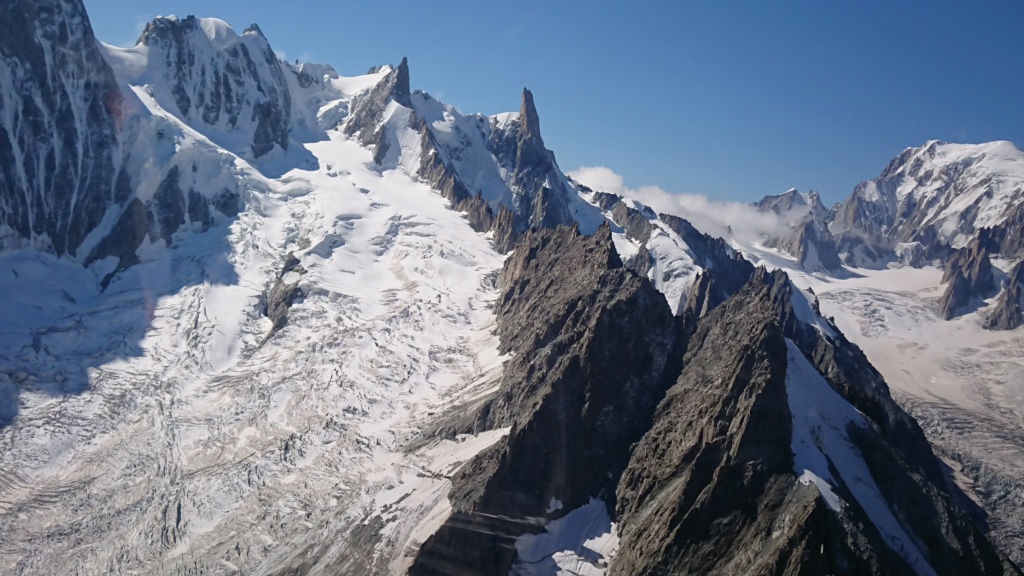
[936, 192]
[231, 87]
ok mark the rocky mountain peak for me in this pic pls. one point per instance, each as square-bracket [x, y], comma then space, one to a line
[223, 84]
[1008, 312]
[530, 121]
[818, 208]
[367, 117]
[784, 203]
[401, 92]
[808, 238]
[738, 427]
[593, 347]
[254, 29]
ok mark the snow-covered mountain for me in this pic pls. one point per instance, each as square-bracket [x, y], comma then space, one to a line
[807, 236]
[937, 192]
[308, 323]
[958, 207]
[230, 87]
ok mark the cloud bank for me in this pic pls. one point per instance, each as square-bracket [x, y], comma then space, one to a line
[724, 219]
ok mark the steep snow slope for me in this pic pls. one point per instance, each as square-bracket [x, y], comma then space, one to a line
[824, 454]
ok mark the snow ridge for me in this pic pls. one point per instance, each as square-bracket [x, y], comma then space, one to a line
[821, 418]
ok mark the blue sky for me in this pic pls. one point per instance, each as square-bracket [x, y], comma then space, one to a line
[729, 99]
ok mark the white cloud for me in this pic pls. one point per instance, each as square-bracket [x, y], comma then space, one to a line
[599, 178]
[713, 217]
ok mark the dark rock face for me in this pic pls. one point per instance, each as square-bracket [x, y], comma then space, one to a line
[505, 233]
[169, 210]
[809, 239]
[540, 195]
[968, 272]
[707, 486]
[861, 252]
[814, 247]
[704, 483]
[711, 489]
[704, 295]
[594, 347]
[127, 235]
[1008, 313]
[870, 210]
[242, 87]
[636, 223]
[59, 154]
[603, 199]
[168, 206]
[282, 295]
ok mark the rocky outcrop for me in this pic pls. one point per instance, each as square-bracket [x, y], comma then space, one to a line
[704, 295]
[731, 271]
[1007, 237]
[169, 210]
[284, 292]
[714, 487]
[968, 274]
[1008, 312]
[219, 81]
[636, 223]
[366, 119]
[813, 246]
[480, 164]
[708, 486]
[540, 193]
[594, 347]
[808, 238]
[791, 202]
[707, 482]
[862, 252]
[60, 159]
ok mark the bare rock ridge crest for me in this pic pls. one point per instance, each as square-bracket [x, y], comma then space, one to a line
[702, 468]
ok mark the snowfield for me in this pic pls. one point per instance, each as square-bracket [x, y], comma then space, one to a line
[164, 419]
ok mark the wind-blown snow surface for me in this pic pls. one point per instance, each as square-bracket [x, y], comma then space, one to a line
[160, 433]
